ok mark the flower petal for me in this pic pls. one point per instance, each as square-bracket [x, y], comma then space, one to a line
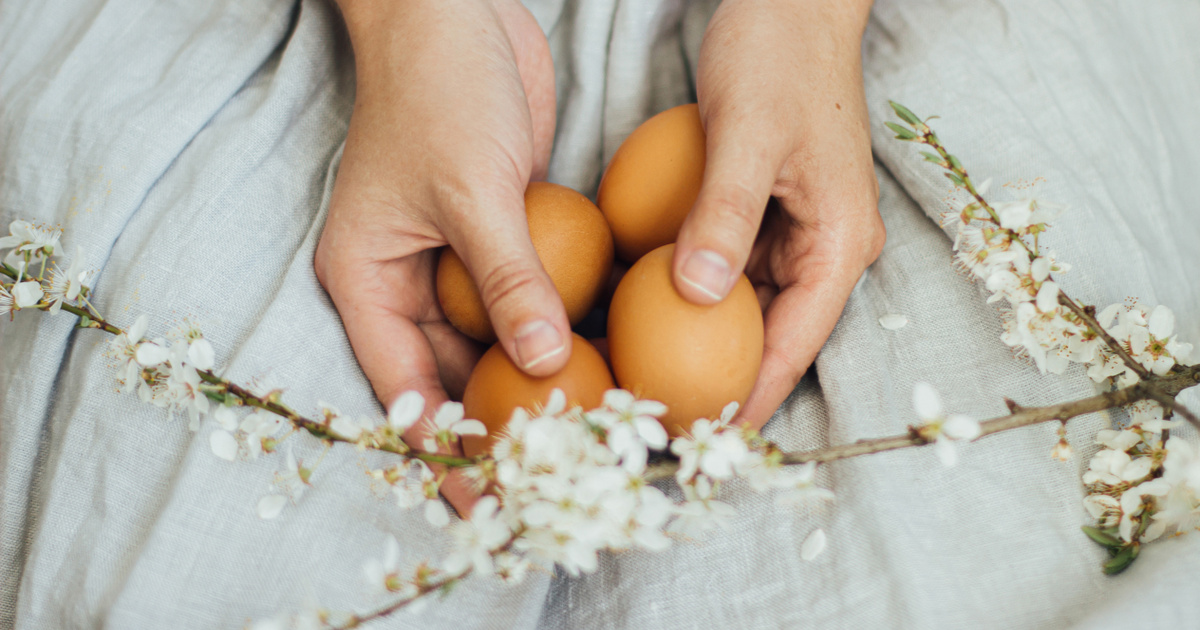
[435, 513]
[892, 321]
[1162, 322]
[151, 354]
[469, 427]
[960, 427]
[945, 451]
[270, 506]
[223, 445]
[406, 410]
[926, 402]
[813, 545]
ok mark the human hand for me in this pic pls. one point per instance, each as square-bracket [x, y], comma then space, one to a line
[453, 115]
[781, 96]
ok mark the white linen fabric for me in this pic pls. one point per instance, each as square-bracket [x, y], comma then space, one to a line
[189, 149]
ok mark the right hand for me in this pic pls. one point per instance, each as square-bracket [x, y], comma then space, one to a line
[453, 115]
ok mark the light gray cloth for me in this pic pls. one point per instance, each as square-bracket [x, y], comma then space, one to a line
[189, 148]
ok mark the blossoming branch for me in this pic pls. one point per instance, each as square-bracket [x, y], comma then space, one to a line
[565, 484]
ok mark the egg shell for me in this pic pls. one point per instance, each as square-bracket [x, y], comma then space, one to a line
[572, 241]
[497, 387]
[653, 180]
[695, 359]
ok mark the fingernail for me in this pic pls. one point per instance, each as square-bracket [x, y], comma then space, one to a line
[708, 272]
[538, 341]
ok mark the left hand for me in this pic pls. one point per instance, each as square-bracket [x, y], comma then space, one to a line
[781, 97]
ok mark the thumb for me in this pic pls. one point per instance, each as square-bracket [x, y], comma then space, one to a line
[525, 309]
[717, 236]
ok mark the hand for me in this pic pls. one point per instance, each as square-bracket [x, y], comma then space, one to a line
[454, 113]
[781, 97]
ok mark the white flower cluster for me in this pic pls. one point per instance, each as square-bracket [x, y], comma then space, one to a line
[570, 483]
[31, 247]
[1002, 251]
[1141, 489]
[166, 373]
[941, 429]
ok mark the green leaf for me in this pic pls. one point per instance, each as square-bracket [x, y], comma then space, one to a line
[1121, 561]
[904, 113]
[903, 133]
[1100, 537]
[85, 321]
[954, 163]
[956, 179]
[933, 157]
[216, 397]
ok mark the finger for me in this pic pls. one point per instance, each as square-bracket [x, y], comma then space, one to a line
[798, 321]
[456, 355]
[393, 351]
[531, 52]
[742, 164]
[524, 307]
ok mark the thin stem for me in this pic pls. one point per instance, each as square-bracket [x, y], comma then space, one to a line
[8, 271]
[357, 620]
[314, 427]
[425, 589]
[1170, 405]
[1113, 344]
[1157, 387]
[928, 137]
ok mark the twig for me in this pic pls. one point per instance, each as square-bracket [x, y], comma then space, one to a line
[357, 620]
[1157, 387]
[1112, 343]
[318, 429]
[1170, 405]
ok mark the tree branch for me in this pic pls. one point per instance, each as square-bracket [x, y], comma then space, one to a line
[1156, 388]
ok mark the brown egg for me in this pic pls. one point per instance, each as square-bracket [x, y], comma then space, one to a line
[571, 239]
[497, 387]
[695, 359]
[652, 181]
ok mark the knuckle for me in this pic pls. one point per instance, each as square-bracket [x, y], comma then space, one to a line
[875, 240]
[505, 282]
[735, 209]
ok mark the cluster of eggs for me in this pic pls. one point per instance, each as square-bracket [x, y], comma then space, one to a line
[695, 359]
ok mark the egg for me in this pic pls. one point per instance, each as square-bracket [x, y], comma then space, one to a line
[653, 180]
[497, 387]
[695, 359]
[572, 241]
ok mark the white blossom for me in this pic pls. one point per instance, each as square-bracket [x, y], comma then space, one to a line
[383, 575]
[27, 294]
[633, 427]
[27, 237]
[797, 486]
[421, 491]
[200, 354]
[943, 429]
[257, 427]
[1104, 508]
[476, 538]
[714, 453]
[153, 353]
[405, 410]
[696, 518]
[65, 286]
[6, 301]
[447, 424]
